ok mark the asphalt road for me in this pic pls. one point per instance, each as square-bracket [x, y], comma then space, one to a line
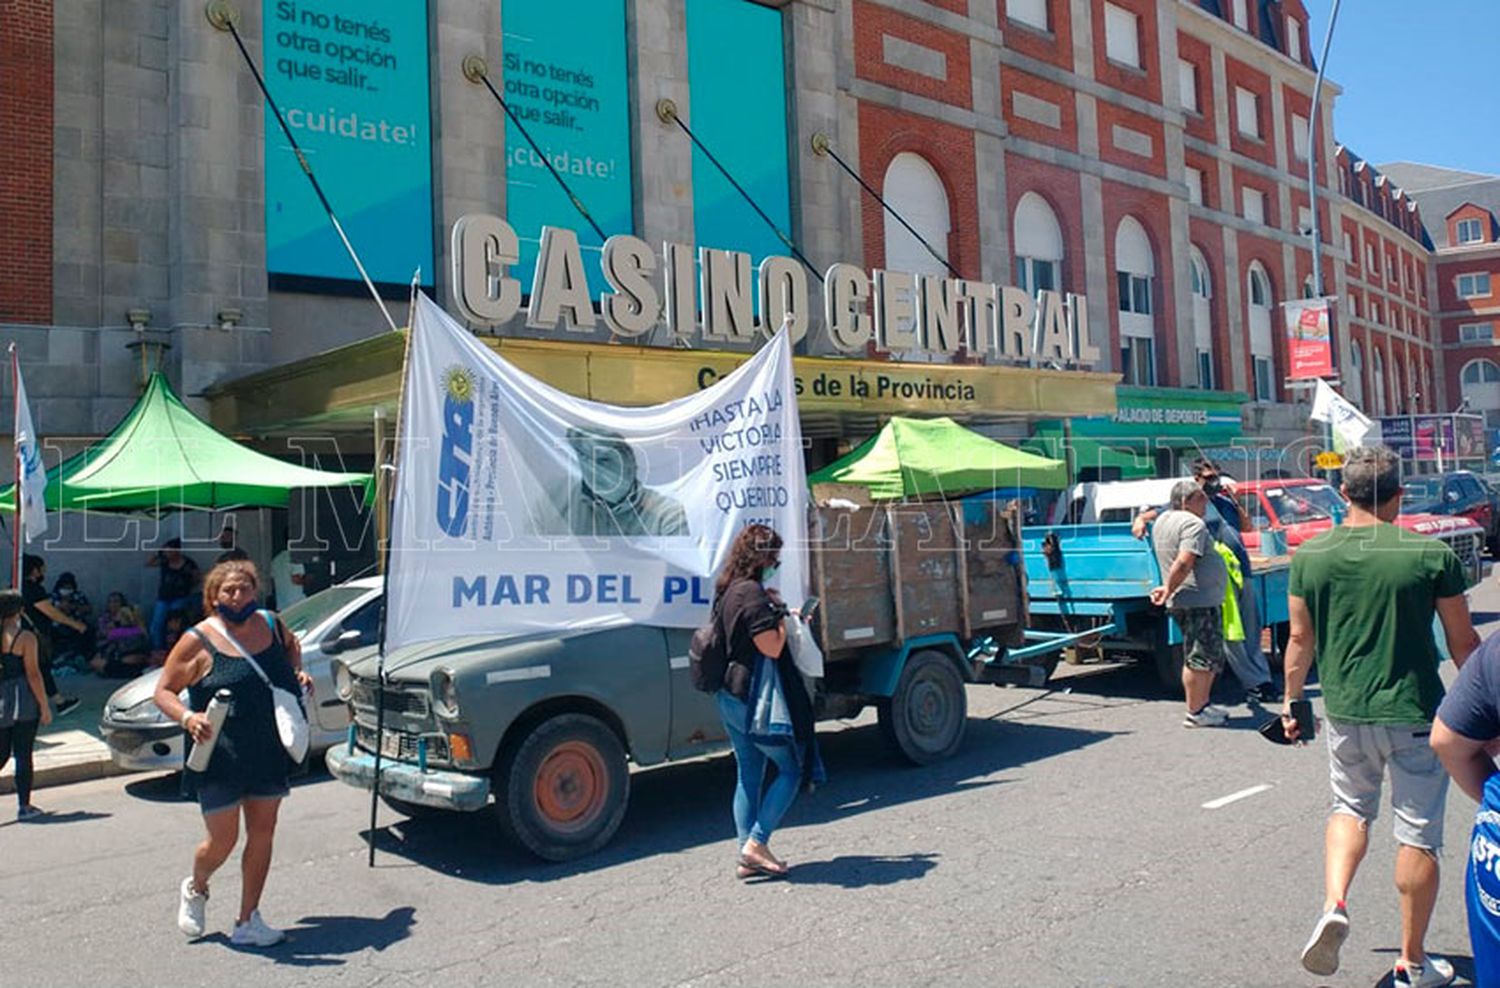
[1068, 844]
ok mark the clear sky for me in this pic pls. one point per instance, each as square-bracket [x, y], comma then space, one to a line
[1417, 79]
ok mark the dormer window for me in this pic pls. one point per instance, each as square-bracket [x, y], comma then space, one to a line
[1470, 231]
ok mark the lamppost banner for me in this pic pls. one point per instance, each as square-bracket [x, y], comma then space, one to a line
[1309, 337]
[520, 508]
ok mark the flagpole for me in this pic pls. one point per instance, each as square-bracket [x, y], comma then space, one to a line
[15, 445]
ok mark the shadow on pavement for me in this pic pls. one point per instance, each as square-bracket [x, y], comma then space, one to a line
[687, 805]
[167, 788]
[76, 816]
[323, 941]
[857, 871]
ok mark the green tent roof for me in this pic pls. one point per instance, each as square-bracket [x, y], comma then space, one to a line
[916, 457]
[163, 456]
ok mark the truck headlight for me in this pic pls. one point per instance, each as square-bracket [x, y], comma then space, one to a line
[343, 683]
[444, 694]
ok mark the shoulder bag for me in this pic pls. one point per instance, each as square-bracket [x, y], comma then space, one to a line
[291, 721]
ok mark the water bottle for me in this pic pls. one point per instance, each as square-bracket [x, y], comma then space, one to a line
[202, 751]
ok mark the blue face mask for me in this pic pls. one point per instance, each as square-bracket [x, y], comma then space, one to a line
[237, 616]
[769, 573]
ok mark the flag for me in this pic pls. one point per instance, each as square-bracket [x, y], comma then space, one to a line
[520, 508]
[1350, 426]
[31, 479]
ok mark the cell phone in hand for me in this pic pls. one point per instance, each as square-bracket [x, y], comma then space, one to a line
[1302, 712]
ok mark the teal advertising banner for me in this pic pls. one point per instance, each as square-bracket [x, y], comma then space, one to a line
[566, 78]
[351, 78]
[739, 111]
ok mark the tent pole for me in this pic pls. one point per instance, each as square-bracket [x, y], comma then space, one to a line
[15, 390]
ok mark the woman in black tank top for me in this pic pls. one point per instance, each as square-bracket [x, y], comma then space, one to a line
[247, 773]
[23, 698]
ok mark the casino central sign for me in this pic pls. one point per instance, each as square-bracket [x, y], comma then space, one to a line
[710, 296]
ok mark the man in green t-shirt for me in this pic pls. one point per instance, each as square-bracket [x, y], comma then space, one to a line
[1362, 596]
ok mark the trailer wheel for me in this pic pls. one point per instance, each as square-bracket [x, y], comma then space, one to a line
[561, 793]
[926, 717]
[1169, 669]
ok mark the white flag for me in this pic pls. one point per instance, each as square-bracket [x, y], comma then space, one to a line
[520, 508]
[31, 479]
[1348, 421]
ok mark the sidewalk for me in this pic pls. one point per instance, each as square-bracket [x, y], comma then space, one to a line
[70, 749]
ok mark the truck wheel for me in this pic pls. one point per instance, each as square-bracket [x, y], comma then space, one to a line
[926, 717]
[1169, 669]
[562, 791]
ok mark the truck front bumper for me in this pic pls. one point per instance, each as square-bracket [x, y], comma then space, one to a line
[404, 781]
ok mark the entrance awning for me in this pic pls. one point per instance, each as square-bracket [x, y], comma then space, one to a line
[337, 391]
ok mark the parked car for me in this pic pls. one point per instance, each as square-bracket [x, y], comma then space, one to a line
[1457, 493]
[342, 620]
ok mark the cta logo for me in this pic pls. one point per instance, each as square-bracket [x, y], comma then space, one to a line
[456, 455]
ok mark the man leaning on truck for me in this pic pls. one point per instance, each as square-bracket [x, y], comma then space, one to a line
[1193, 593]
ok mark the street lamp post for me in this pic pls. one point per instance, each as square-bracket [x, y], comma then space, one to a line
[1312, 154]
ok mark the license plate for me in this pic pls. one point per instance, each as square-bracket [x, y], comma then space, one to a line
[390, 745]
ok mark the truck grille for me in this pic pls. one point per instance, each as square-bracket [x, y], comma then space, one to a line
[408, 702]
[1469, 549]
[402, 745]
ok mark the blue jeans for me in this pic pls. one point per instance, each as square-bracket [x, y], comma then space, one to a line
[159, 618]
[758, 807]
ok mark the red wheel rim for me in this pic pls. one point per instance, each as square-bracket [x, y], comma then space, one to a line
[571, 786]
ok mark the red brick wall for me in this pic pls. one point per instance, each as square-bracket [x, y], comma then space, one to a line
[1066, 134]
[1469, 211]
[1110, 116]
[871, 26]
[1448, 270]
[26, 161]
[1210, 169]
[1238, 75]
[1060, 187]
[1268, 253]
[1145, 82]
[1151, 211]
[1208, 237]
[1191, 49]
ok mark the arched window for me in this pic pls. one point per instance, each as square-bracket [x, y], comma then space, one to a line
[1262, 347]
[914, 190]
[1037, 243]
[1135, 276]
[1354, 384]
[1378, 368]
[1480, 383]
[1203, 332]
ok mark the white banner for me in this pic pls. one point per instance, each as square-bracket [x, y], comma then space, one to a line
[31, 480]
[519, 508]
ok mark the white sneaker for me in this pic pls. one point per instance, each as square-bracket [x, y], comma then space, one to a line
[1209, 716]
[190, 909]
[255, 933]
[1434, 974]
[1321, 955]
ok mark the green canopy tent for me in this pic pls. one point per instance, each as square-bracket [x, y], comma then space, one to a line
[919, 457]
[161, 456]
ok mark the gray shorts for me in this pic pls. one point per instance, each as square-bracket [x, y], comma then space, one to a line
[1358, 756]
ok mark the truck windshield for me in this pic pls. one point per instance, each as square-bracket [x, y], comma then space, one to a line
[1297, 505]
[1421, 495]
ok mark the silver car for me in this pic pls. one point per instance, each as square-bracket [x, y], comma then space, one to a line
[342, 620]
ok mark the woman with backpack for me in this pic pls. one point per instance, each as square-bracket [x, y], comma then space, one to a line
[753, 625]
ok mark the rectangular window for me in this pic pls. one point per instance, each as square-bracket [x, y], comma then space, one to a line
[1138, 360]
[1122, 36]
[740, 111]
[1390, 267]
[1034, 276]
[1304, 221]
[1187, 84]
[1032, 13]
[1205, 370]
[1371, 264]
[1294, 38]
[1253, 205]
[1354, 306]
[1470, 232]
[1264, 387]
[1247, 112]
[1135, 293]
[1242, 14]
[1195, 186]
[1473, 285]
[1299, 136]
[1476, 332]
[1348, 247]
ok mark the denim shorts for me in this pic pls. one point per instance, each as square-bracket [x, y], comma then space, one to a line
[217, 795]
[1359, 756]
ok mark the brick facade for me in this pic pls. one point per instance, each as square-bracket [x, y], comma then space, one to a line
[26, 174]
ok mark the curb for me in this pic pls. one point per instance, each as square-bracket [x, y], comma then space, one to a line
[67, 774]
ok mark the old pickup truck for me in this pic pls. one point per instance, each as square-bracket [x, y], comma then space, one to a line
[917, 600]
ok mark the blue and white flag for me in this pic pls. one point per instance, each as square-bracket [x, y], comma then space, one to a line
[31, 479]
[520, 508]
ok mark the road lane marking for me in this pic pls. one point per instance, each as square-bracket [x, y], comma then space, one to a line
[1234, 797]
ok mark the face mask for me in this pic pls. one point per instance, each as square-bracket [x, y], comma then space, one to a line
[1211, 487]
[769, 573]
[236, 616]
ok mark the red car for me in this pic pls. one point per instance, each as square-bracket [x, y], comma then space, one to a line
[1301, 508]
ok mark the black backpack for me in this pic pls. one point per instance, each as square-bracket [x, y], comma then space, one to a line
[708, 654]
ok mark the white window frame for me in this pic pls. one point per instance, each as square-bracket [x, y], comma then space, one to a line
[1390, 268]
[1294, 38]
[1476, 332]
[1138, 360]
[1242, 14]
[1187, 85]
[1205, 369]
[1299, 136]
[1349, 255]
[1122, 36]
[1032, 13]
[1194, 178]
[1252, 204]
[1372, 260]
[1135, 292]
[1470, 224]
[1247, 111]
[1264, 377]
[1474, 282]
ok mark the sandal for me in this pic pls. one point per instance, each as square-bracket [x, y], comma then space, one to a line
[747, 868]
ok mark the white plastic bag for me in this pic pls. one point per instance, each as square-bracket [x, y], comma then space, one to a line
[806, 654]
